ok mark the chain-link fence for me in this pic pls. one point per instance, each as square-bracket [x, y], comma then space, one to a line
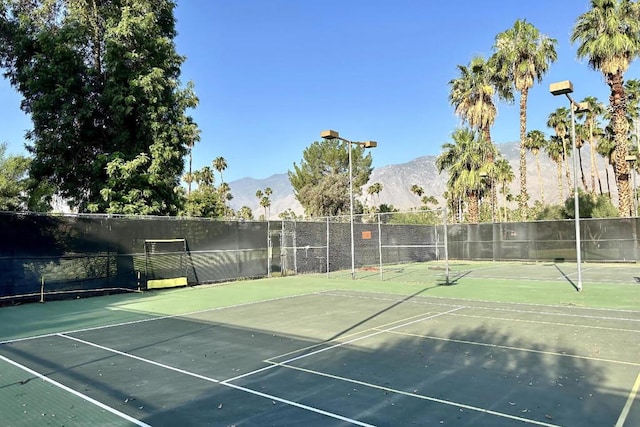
[367, 242]
[48, 254]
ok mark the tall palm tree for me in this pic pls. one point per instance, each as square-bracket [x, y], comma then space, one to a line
[560, 122]
[193, 137]
[504, 176]
[535, 142]
[206, 177]
[522, 56]
[473, 95]
[465, 159]
[555, 149]
[220, 164]
[582, 136]
[267, 193]
[596, 109]
[608, 36]
[606, 148]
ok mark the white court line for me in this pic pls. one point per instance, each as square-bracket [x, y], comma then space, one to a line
[418, 396]
[467, 302]
[223, 383]
[343, 343]
[354, 334]
[627, 406]
[76, 393]
[152, 319]
[542, 322]
[526, 350]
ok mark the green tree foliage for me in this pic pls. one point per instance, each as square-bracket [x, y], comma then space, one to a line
[206, 200]
[321, 181]
[523, 56]
[466, 159]
[608, 36]
[100, 81]
[14, 181]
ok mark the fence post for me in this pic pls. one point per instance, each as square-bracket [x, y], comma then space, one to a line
[380, 244]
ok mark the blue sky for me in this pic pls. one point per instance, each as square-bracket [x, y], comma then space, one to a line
[272, 74]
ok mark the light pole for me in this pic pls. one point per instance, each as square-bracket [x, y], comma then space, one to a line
[565, 88]
[332, 134]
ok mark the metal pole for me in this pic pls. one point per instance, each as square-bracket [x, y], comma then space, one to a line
[353, 251]
[328, 252]
[380, 244]
[575, 191]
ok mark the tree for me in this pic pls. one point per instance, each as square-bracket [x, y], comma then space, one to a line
[556, 152]
[375, 188]
[14, 182]
[504, 176]
[321, 180]
[596, 109]
[220, 164]
[417, 190]
[535, 142]
[465, 159]
[522, 56]
[100, 81]
[265, 201]
[608, 36]
[473, 95]
[245, 213]
[206, 200]
[560, 122]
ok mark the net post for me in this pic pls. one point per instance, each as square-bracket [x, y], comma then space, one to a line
[41, 289]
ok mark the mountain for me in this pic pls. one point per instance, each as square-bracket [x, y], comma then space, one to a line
[397, 180]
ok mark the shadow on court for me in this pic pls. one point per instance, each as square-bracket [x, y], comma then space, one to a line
[343, 358]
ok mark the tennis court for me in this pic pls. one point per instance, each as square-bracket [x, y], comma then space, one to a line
[317, 352]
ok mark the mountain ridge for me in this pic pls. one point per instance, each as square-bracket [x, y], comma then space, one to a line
[397, 179]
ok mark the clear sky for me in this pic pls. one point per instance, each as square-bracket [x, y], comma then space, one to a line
[272, 74]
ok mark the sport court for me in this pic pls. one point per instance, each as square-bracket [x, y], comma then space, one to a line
[302, 353]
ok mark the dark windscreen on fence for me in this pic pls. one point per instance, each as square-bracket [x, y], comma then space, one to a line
[47, 253]
[75, 253]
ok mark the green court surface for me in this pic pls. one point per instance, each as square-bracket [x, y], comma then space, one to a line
[317, 351]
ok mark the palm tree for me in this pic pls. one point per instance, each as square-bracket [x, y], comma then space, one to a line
[193, 136]
[267, 193]
[417, 190]
[582, 136]
[472, 95]
[465, 159]
[560, 122]
[206, 177]
[609, 38]
[596, 109]
[606, 148]
[375, 188]
[504, 176]
[522, 56]
[220, 164]
[535, 142]
[555, 149]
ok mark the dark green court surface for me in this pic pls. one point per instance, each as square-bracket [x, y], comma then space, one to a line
[302, 351]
